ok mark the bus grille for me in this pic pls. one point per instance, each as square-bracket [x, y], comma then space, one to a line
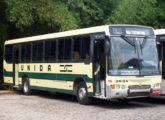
[138, 94]
[139, 86]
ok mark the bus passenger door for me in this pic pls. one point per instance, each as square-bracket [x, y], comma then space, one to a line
[98, 67]
[15, 67]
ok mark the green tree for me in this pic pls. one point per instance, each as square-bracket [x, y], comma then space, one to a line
[39, 16]
[86, 12]
[91, 12]
[143, 12]
[160, 14]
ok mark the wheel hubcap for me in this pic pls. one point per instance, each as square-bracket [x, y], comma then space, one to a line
[82, 93]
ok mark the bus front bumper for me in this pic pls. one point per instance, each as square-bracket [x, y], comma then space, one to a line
[130, 93]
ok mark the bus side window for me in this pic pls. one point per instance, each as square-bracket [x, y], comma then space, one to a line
[67, 49]
[26, 52]
[76, 52]
[85, 48]
[50, 50]
[40, 51]
[37, 52]
[61, 49]
[8, 53]
[81, 48]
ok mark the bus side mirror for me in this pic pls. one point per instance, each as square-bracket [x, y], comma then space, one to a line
[107, 46]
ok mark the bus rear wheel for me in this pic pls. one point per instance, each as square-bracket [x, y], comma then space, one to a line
[82, 94]
[26, 87]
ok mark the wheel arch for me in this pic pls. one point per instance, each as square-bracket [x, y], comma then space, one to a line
[76, 83]
[23, 77]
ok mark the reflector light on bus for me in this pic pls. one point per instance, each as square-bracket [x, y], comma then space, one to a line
[113, 86]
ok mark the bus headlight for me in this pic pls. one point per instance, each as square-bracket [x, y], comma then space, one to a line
[157, 85]
[118, 86]
[123, 87]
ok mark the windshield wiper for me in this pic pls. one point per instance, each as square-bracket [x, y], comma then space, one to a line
[128, 40]
[143, 43]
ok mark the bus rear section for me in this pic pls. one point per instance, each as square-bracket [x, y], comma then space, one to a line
[160, 35]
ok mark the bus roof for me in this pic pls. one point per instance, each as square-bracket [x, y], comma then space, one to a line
[159, 32]
[66, 33]
[58, 34]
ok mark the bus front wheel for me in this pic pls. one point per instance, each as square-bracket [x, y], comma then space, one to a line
[82, 94]
[26, 87]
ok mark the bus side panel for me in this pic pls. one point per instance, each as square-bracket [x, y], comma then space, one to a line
[8, 73]
[56, 77]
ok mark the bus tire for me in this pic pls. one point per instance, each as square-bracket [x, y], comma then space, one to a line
[26, 87]
[82, 94]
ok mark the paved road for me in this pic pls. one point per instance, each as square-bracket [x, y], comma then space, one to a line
[43, 106]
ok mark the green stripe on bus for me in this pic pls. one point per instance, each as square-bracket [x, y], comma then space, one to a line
[7, 74]
[52, 89]
[53, 76]
[8, 84]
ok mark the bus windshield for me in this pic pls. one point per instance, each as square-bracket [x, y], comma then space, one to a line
[148, 56]
[133, 59]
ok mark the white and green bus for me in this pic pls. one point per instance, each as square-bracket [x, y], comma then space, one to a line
[107, 62]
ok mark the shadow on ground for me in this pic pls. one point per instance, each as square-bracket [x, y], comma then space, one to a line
[134, 103]
[153, 100]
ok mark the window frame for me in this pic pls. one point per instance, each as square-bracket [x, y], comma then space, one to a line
[90, 48]
[10, 54]
[61, 60]
[56, 55]
[37, 61]
[21, 52]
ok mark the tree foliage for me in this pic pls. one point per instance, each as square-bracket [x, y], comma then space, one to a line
[143, 12]
[91, 12]
[39, 16]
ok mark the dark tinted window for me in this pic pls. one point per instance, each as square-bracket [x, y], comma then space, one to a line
[37, 52]
[81, 48]
[64, 49]
[61, 49]
[50, 50]
[8, 53]
[67, 50]
[26, 52]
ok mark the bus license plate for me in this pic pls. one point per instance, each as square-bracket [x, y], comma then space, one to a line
[155, 91]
